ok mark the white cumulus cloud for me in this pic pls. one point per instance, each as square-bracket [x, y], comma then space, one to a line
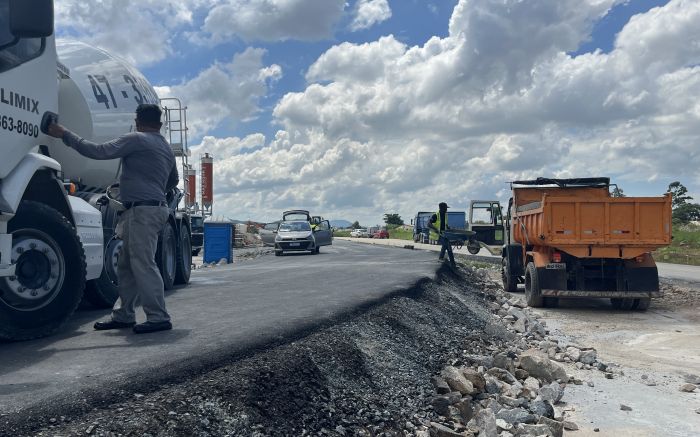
[139, 31]
[386, 127]
[273, 20]
[228, 92]
[370, 12]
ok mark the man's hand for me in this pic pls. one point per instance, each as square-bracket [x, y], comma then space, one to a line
[56, 130]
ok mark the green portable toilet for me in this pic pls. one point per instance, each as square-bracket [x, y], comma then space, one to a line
[218, 238]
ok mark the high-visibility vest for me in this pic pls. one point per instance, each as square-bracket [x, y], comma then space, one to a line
[438, 224]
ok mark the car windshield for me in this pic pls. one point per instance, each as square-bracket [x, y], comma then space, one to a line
[295, 227]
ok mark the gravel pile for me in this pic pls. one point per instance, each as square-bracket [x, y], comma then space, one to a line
[678, 294]
[453, 358]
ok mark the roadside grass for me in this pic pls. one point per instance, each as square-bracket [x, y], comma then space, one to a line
[401, 234]
[341, 233]
[685, 247]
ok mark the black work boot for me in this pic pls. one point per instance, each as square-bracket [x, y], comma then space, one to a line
[146, 327]
[112, 324]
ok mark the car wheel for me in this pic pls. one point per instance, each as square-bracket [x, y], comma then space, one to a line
[278, 253]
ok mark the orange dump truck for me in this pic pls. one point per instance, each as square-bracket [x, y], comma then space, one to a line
[571, 238]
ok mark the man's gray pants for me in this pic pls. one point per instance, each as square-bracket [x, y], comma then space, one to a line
[139, 277]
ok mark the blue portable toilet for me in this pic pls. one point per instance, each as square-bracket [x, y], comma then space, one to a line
[218, 242]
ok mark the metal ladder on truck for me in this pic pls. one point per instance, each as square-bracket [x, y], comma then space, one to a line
[176, 134]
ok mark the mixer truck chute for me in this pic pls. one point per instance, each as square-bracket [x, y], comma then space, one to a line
[52, 243]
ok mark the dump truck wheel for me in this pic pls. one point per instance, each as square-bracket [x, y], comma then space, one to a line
[510, 282]
[627, 304]
[641, 304]
[616, 303]
[166, 255]
[184, 257]
[550, 302]
[533, 295]
[195, 252]
[50, 273]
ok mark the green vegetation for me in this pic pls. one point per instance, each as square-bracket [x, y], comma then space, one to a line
[684, 212]
[341, 233]
[685, 247]
[400, 233]
[393, 219]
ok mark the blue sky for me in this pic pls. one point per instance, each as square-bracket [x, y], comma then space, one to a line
[424, 99]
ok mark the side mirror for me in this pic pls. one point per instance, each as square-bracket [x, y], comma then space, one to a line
[31, 18]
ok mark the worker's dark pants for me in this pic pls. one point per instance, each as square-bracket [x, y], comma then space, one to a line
[139, 277]
[446, 247]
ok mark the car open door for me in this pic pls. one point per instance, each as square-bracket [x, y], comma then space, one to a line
[323, 235]
[268, 232]
[486, 219]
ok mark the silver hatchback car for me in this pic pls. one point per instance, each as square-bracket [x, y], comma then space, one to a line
[297, 236]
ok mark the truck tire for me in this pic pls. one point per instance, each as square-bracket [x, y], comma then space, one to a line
[195, 252]
[184, 257]
[641, 304]
[533, 293]
[103, 292]
[50, 275]
[622, 304]
[473, 247]
[166, 255]
[510, 282]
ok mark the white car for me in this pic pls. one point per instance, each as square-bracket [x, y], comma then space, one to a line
[359, 233]
[297, 236]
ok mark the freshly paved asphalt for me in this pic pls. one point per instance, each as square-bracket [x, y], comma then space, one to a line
[224, 312]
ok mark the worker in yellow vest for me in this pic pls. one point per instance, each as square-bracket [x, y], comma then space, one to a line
[438, 224]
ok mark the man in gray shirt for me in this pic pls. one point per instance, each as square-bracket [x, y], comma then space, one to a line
[148, 172]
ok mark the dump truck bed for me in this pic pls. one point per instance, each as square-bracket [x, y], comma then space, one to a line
[589, 223]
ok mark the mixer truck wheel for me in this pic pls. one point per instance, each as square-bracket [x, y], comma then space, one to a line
[510, 282]
[104, 291]
[166, 255]
[533, 293]
[49, 276]
[184, 257]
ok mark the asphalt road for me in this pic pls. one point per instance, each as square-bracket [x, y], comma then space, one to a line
[225, 312]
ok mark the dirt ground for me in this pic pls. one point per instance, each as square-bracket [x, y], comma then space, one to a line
[656, 351]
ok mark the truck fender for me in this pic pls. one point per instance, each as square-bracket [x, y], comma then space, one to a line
[14, 186]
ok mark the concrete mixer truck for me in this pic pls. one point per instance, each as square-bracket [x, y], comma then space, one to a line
[57, 223]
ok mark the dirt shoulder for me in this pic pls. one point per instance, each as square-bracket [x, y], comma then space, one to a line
[657, 352]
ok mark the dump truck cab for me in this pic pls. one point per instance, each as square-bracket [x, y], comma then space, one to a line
[571, 238]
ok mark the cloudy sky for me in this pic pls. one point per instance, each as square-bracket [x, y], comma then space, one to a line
[354, 108]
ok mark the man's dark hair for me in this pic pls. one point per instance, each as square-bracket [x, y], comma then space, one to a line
[443, 206]
[149, 114]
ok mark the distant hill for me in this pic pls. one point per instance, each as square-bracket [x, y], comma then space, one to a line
[340, 223]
